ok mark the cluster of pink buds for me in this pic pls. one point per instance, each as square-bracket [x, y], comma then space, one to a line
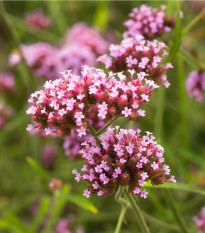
[149, 22]
[140, 55]
[195, 84]
[6, 82]
[200, 221]
[37, 19]
[65, 225]
[124, 158]
[64, 103]
[5, 113]
[83, 35]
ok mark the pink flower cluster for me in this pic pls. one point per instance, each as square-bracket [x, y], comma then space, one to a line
[200, 221]
[140, 55]
[5, 113]
[6, 82]
[72, 145]
[48, 61]
[125, 159]
[37, 19]
[149, 22]
[64, 103]
[81, 34]
[65, 225]
[195, 85]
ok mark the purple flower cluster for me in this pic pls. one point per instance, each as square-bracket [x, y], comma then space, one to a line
[200, 221]
[149, 22]
[195, 85]
[37, 19]
[78, 49]
[140, 55]
[64, 103]
[125, 159]
[82, 35]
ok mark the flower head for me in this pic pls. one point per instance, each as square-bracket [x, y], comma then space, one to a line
[195, 85]
[64, 104]
[125, 159]
[149, 22]
[37, 19]
[139, 55]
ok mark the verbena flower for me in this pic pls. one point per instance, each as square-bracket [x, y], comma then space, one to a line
[149, 22]
[37, 19]
[140, 55]
[14, 58]
[200, 221]
[195, 85]
[72, 57]
[64, 103]
[125, 159]
[6, 82]
[83, 35]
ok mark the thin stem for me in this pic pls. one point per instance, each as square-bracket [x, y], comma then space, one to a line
[138, 213]
[93, 133]
[193, 22]
[121, 218]
[176, 212]
[131, 124]
[102, 130]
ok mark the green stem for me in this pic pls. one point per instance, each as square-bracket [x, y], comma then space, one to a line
[121, 218]
[131, 124]
[93, 133]
[138, 213]
[193, 22]
[176, 212]
[159, 112]
[182, 101]
[102, 130]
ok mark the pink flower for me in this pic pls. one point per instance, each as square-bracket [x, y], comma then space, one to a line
[108, 170]
[37, 19]
[195, 85]
[138, 55]
[200, 220]
[149, 22]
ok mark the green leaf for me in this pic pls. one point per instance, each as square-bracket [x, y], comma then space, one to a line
[192, 61]
[42, 210]
[102, 14]
[38, 169]
[81, 202]
[178, 186]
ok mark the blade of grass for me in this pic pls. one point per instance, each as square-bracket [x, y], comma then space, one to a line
[178, 186]
[38, 169]
[193, 22]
